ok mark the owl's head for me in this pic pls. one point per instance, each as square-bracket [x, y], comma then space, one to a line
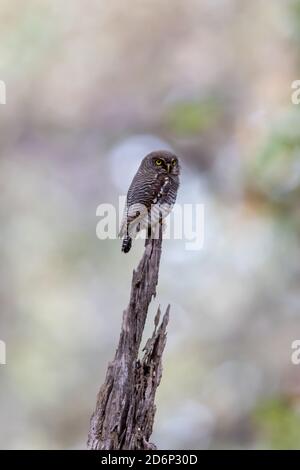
[162, 161]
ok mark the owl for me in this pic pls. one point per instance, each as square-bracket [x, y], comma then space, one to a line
[151, 195]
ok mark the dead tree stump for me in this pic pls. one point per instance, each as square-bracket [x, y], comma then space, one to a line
[125, 409]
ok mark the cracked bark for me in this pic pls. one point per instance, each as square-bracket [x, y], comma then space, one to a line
[125, 408]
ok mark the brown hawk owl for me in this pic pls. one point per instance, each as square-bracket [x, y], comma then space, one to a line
[151, 195]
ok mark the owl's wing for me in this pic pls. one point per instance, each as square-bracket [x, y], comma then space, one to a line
[122, 230]
[136, 216]
[131, 218]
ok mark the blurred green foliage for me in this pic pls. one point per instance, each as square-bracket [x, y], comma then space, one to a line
[276, 168]
[189, 118]
[279, 424]
[295, 19]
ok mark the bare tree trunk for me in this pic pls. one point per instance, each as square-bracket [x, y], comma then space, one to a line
[125, 409]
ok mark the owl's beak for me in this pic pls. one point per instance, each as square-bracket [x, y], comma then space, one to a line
[168, 167]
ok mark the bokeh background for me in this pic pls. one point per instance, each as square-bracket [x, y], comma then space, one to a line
[91, 88]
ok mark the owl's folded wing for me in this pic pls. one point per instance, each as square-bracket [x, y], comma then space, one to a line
[136, 216]
[132, 216]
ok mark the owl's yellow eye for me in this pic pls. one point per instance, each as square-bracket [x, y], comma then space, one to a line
[174, 162]
[158, 162]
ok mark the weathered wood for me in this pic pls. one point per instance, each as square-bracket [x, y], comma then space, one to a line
[125, 409]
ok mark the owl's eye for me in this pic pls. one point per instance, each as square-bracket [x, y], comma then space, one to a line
[158, 162]
[174, 163]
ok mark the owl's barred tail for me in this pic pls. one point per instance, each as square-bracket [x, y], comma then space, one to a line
[126, 245]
